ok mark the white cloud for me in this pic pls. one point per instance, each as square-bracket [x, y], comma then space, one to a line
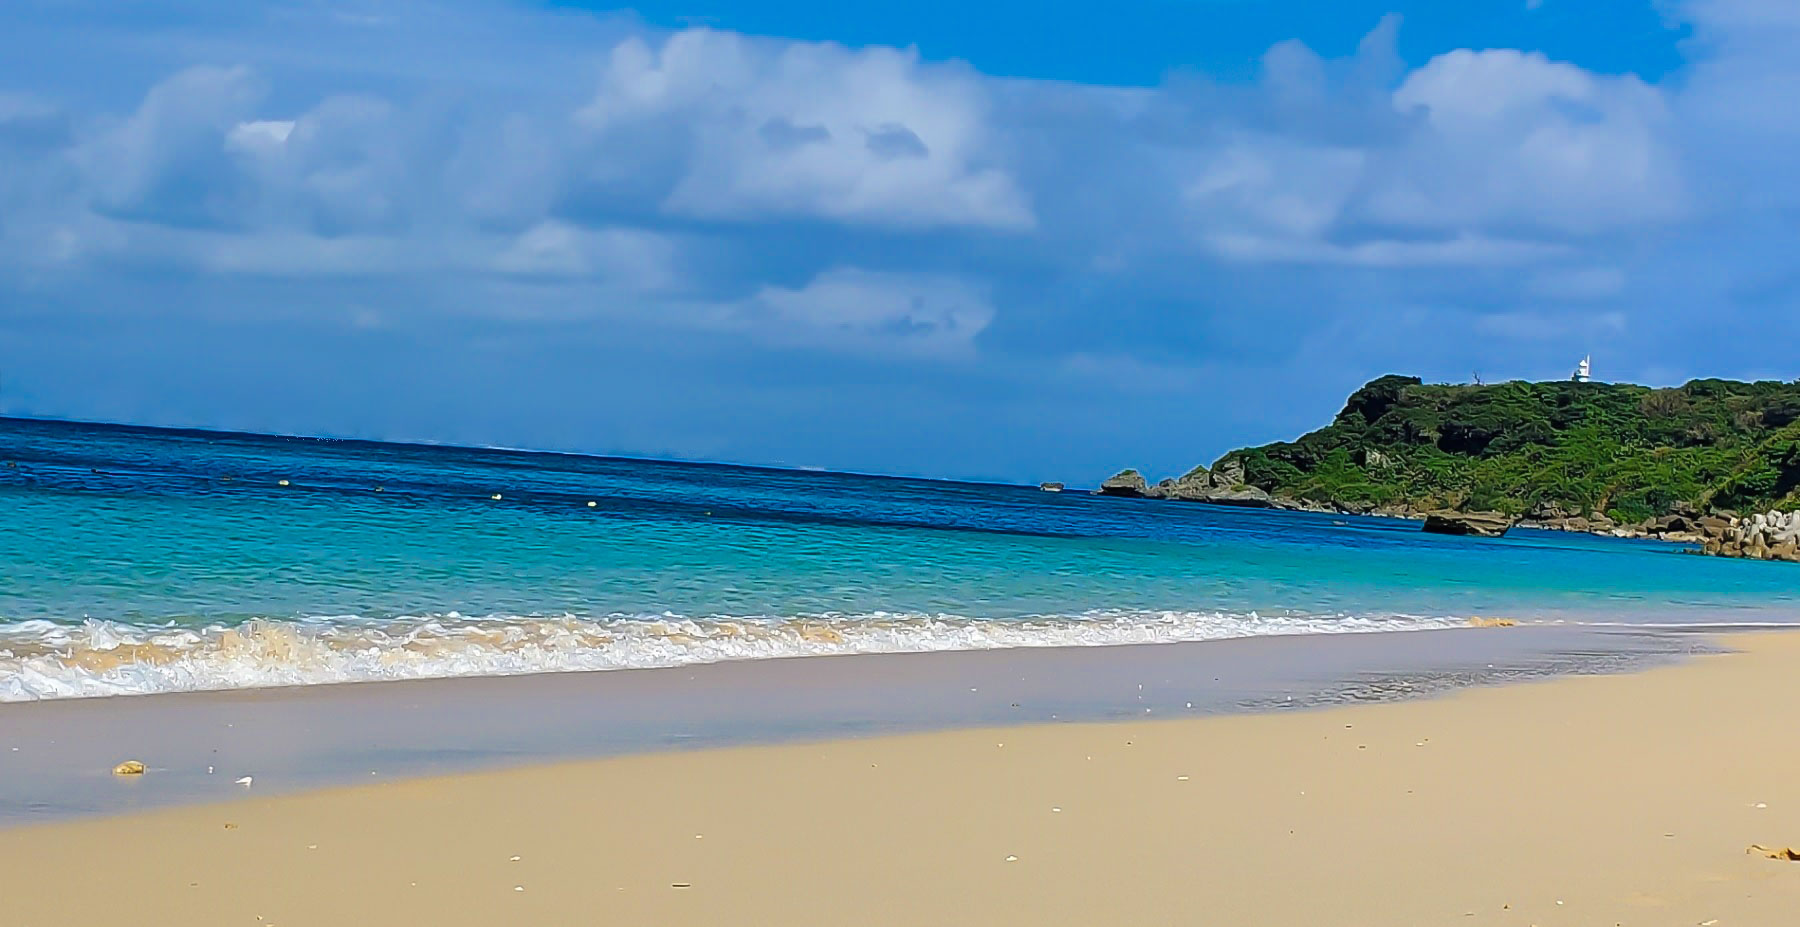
[1476, 157]
[166, 159]
[920, 313]
[705, 165]
[1514, 139]
[260, 136]
[631, 258]
[1269, 186]
[768, 129]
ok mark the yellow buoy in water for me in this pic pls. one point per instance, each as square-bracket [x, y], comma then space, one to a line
[592, 503]
[129, 768]
[282, 483]
[495, 497]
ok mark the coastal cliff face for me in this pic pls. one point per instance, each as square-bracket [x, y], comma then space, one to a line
[1606, 458]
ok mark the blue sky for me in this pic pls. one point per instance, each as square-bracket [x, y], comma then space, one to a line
[975, 240]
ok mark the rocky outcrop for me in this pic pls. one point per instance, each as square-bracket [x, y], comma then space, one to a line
[1125, 483]
[1246, 496]
[1051, 487]
[1229, 473]
[1221, 486]
[1477, 524]
[1760, 536]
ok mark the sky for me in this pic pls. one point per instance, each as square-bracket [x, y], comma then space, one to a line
[979, 241]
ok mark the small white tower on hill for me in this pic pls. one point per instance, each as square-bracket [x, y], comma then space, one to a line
[1584, 371]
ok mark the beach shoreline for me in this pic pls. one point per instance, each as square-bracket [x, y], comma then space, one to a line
[1615, 799]
[55, 755]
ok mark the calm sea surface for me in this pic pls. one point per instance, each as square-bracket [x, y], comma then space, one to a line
[136, 561]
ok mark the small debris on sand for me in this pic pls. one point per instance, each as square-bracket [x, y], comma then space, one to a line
[1786, 853]
[128, 768]
[1480, 622]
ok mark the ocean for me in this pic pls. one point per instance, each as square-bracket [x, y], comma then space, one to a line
[136, 561]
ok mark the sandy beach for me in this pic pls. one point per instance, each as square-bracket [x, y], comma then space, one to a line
[1626, 799]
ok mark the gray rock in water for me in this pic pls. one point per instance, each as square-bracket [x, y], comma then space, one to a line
[1125, 483]
[1476, 524]
[1051, 487]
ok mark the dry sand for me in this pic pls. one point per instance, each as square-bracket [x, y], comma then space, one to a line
[1591, 801]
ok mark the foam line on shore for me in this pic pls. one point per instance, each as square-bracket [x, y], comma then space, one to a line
[48, 660]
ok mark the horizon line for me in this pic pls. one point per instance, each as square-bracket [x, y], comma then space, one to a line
[493, 448]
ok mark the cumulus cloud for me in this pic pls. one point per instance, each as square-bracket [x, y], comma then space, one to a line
[850, 198]
[1481, 157]
[768, 129]
[1511, 139]
[167, 161]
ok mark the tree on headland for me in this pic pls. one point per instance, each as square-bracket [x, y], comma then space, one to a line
[1629, 452]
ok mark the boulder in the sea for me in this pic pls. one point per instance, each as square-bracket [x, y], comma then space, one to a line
[1476, 524]
[1051, 487]
[1125, 483]
[129, 768]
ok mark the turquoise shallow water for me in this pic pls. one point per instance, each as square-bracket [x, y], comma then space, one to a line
[136, 560]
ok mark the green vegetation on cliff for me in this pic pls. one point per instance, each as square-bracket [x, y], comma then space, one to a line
[1630, 452]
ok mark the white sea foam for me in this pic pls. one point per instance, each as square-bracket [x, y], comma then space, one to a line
[46, 660]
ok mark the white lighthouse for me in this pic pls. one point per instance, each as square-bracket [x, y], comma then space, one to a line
[1584, 371]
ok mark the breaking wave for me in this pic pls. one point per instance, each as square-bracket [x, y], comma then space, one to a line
[48, 660]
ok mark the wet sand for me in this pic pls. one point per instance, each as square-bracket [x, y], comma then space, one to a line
[55, 756]
[1622, 799]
